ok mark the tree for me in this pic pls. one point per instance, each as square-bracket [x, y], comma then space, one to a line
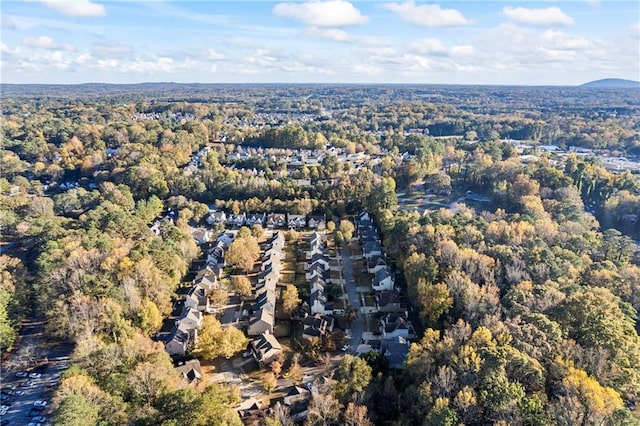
[241, 285]
[585, 401]
[352, 376]
[356, 415]
[347, 229]
[243, 253]
[215, 341]
[434, 299]
[257, 231]
[269, 381]
[324, 410]
[290, 299]
[76, 410]
[149, 317]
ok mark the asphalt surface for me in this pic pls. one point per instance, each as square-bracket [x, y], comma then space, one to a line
[357, 325]
[21, 410]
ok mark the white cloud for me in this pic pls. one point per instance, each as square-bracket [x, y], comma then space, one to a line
[6, 50]
[76, 7]
[41, 42]
[334, 34]
[463, 50]
[333, 13]
[557, 40]
[428, 15]
[214, 55]
[429, 45]
[367, 69]
[84, 59]
[540, 17]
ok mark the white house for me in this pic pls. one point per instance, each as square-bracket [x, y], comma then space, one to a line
[266, 348]
[262, 322]
[382, 280]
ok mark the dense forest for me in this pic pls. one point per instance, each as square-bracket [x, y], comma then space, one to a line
[526, 287]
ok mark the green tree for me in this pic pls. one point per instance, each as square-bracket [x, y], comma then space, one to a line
[352, 376]
[149, 317]
[76, 410]
[215, 340]
[346, 228]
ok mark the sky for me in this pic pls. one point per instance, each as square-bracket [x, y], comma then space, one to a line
[330, 41]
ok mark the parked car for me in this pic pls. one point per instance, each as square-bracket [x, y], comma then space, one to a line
[27, 384]
[35, 375]
[345, 347]
[39, 419]
[40, 403]
[17, 393]
[21, 374]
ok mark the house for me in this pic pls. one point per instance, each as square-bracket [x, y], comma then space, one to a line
[319, 305]
[236, 219]
[207, 280]
[179, 340]
[316, 325]
[368, 235]
[296, 221]
[317, 222]
[389, 301]
[371, 248]
[317, 270]
[216, 217]
[297, 399]
[265, 300]
[376, 263]
[202, 236]
[265, 348]
[271, 263]
[316, 245]
[269, 276]
[272, 253]
[396, 350]
[252, 412]
[276, 240]
[276, 220]
[316, 283]
[197, 298]
[191, 371]
[215, 255]
[190, 317]
[212, 269]
[382, 280]
[362, 216]
[225, 238]
[320, 259]
[261, 322]
[256, 219]
[395, 325]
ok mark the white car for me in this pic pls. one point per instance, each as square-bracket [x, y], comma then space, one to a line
[35, 375]
[345, 347]
[40, 403]
[22, 374]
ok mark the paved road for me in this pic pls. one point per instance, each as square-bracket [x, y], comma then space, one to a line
[354, 297]
[41, 388]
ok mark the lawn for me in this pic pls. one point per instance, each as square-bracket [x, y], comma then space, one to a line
[369, 300]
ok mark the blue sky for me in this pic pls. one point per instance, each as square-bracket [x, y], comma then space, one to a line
[446, 42]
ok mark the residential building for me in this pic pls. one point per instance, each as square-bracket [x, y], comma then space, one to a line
[315, 326]
[296, 221]
[265, 348]
[191, 371]
[382, 280]
[261, 322]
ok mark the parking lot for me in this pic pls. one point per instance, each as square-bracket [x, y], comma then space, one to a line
[26, 392]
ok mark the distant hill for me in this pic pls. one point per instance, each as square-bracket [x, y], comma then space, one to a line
[613, 83]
